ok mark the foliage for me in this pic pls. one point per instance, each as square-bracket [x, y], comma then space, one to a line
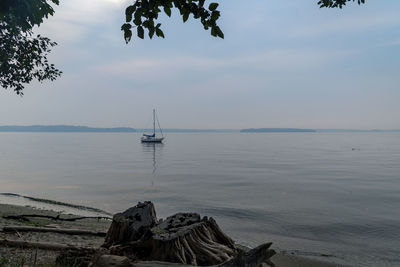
[337, 3]
[23, 56]
[25, 13]
[143, 14]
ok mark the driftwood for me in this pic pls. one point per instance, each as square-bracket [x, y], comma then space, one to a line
[186, 238]
[84, 257]
[112, 260]
[254, 257]
[25, 217]
[137, 238]
[251, 258]
[52, 230]
[131, 224]
[183, 238]
[158, 264]
[39, 245]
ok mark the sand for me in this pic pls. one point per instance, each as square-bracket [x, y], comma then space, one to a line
[285, 260]
[13, 256]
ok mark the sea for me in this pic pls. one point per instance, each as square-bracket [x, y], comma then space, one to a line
[331, 196]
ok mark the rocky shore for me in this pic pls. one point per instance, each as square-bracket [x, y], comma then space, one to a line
[16, 230]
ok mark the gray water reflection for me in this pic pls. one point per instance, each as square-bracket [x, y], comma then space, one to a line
[153, 151]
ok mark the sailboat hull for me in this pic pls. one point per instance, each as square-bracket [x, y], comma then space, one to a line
[152, 139]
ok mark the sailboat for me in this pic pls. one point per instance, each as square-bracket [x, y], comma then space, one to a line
[152, 138]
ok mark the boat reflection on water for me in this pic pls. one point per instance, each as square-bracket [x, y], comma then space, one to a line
[153, 150]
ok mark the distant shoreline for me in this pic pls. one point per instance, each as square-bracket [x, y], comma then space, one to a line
[278, 130]
[65, 129]
[87, 129]
[299, 130]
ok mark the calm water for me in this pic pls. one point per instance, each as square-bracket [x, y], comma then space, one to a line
[310, 193]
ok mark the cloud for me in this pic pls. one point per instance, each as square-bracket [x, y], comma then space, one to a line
[391, 43]
[346, 25]
[270, 61]
[73, 18]
[145, 68]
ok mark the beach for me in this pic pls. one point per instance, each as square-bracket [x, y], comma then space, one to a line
[10, 256]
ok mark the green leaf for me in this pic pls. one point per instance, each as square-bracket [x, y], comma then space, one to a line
[146, 23]
[220, 33]
[126, 27]
[214, 31]
[140, 32]
[159, 33]
[213, 6]
[129, 12]
[127, 35]
[215, 15]
[167, 11]
[151, 32]
[185, 16]
[138, 18]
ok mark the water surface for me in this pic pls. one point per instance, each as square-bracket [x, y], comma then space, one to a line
[336, 194]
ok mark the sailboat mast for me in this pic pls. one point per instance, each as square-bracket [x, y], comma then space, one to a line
[154, 122]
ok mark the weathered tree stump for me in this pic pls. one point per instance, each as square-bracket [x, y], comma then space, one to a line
[186, 238]
[183, 238]
[131, 224]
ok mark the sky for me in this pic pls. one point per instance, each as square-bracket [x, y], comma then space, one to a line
[281, 64]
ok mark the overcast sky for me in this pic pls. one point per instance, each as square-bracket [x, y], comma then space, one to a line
[281, 64]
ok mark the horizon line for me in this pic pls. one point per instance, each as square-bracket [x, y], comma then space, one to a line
[128, 128]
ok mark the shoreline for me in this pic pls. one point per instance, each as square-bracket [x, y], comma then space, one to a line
[47, 204]
[281, 259]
